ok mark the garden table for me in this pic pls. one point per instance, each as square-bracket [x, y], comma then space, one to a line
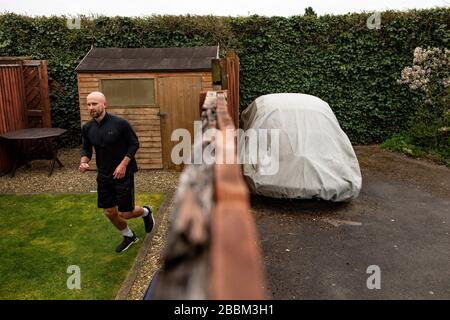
[42, 137]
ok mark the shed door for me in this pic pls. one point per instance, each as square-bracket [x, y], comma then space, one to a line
[178, 100]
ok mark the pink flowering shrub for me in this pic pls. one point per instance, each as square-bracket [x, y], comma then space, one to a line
[429, 133]
[430, 73]
[428, 64]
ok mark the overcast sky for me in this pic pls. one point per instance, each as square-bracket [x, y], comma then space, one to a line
[205, 7]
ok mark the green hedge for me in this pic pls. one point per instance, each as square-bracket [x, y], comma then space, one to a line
[336, 58]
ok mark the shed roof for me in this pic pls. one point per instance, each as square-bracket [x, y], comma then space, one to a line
[148, 59]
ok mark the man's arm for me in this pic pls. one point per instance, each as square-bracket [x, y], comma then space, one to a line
[133, 142]
[133, 146]
[86, 151]
[121, 168]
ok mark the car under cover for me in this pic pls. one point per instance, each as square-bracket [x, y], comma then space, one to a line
[313, 156]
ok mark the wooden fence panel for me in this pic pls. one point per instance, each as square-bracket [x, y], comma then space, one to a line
[232, 69]
[12, 108]
[24, 101]
[37, 97]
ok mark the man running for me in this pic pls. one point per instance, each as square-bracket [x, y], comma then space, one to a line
[115, 145]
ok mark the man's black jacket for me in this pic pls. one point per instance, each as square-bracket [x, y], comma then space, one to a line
[113, 139]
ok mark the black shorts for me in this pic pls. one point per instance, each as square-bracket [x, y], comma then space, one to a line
[116, 192]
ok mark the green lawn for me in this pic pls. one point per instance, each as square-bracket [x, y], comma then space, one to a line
[41, 235]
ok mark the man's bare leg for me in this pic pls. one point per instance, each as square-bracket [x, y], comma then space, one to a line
[116, 219]
[122, 225]
[137, 212]
[143, 212]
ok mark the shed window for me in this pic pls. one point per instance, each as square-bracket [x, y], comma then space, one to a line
[129, 92]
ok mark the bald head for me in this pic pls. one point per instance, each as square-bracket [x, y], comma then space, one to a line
[97, 95]
[96, 103]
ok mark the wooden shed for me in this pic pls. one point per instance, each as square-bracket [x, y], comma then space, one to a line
[156, 89]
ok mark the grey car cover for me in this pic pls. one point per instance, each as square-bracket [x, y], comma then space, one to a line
[314, 157]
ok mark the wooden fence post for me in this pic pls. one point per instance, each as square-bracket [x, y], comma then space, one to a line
[212, 250]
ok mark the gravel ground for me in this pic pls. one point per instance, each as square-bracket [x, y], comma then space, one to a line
[69, 180]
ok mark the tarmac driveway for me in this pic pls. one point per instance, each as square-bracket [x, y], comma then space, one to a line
[400, 223]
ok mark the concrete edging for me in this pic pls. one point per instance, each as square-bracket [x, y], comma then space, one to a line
[126, 286]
